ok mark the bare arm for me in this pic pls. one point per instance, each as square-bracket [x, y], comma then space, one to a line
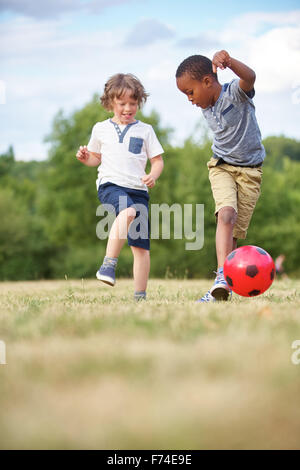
[247, 76]
[88, 158]
[157, 165]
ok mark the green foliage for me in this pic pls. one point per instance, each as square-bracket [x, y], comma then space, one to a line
[276, 220]
[24, 252]
[279, 147]
[48, 209]
[7, 161]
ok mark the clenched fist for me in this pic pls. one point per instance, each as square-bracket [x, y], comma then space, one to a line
[222, 60]
[83, 153]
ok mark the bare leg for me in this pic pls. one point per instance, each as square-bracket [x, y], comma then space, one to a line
[118, 232]
[141, 268]
[224, 239]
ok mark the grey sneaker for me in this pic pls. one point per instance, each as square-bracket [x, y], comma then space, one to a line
[220, 290]
[107, 275]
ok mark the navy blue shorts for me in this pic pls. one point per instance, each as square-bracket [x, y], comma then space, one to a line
[118, 198]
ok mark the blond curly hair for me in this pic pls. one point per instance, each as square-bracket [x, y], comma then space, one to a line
[117, 85]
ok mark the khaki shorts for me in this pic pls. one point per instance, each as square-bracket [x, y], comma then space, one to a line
[237, 187]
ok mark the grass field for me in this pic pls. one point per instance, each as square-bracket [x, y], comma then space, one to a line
[89, 368]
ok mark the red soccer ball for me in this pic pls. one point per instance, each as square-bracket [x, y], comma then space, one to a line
[249, 270]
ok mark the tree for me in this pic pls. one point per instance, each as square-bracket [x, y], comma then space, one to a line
[280, 147]
[7, 161]
[48, 209]
[68, 200]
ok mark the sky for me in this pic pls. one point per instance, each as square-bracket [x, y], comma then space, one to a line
[55, 54]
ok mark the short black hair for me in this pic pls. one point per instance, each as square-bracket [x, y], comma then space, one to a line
[197, 66]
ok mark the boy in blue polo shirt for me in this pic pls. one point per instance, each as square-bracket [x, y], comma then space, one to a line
[120, 148]
[235, 171]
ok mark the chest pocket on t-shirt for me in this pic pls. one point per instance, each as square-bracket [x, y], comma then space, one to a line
[231, 115]
[135, 145]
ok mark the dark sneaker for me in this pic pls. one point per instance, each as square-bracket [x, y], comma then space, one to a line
[106, 274]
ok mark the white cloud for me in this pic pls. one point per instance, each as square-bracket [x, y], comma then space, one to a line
[276, 56]
[25, 39]
[39, 9]
[2, 92]
[277, 114]
[46, 67]
[29, 150]
[55, 8]
[247, 25]
[270, 44]
[201, 41]
[148, 31]
[161, 71]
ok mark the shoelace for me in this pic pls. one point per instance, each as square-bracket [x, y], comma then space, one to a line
[220, 277]
[206, 297]
[108, 264]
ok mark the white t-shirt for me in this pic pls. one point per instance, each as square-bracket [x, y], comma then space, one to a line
[124, 152]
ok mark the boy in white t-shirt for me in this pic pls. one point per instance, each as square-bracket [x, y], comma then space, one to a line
[120, 148]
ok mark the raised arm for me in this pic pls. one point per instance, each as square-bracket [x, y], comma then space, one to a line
[247, 76]
[88, 158]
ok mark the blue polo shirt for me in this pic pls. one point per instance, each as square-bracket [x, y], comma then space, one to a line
[237, 138]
